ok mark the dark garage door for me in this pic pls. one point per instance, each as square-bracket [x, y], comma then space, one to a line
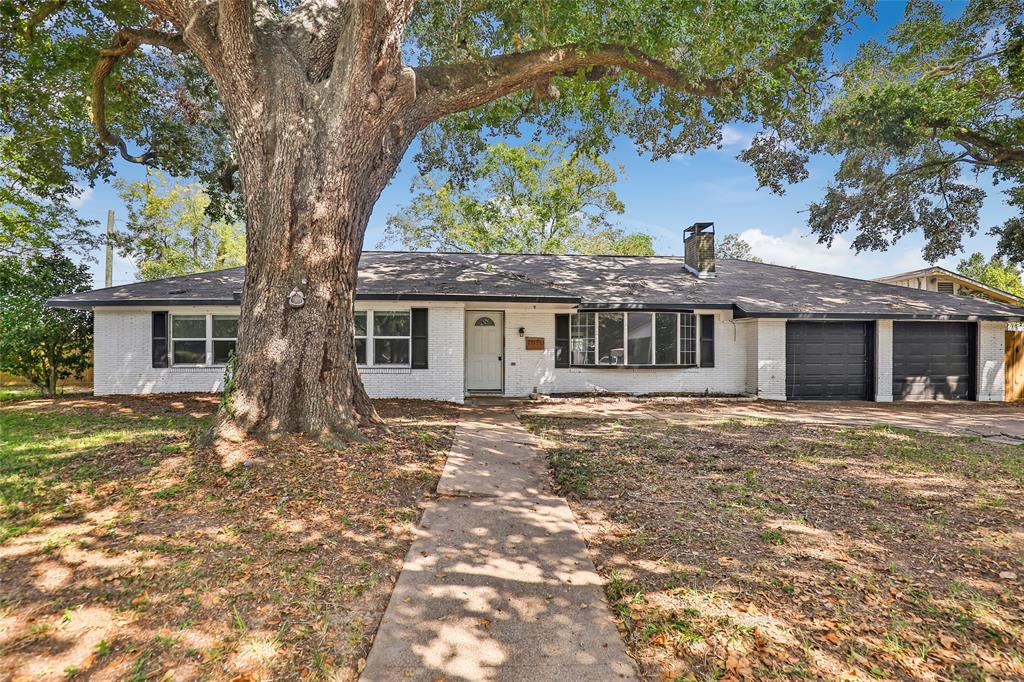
[933, 360]
[829, 360]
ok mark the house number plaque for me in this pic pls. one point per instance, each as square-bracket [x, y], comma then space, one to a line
[534, 343]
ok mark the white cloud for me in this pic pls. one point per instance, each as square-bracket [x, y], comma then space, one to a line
[733, 136]
[800, 250]
[83, 197]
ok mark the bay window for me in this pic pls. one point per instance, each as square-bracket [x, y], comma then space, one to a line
[383, 337]
[202, 340]
[636, 339]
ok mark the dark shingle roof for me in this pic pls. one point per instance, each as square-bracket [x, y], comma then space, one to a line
[752, 289]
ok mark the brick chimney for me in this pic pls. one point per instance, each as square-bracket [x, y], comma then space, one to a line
[699, 242]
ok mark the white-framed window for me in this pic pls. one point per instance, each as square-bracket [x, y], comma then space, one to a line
[202, 340]
[360, 336]
[383, 338]
[634, 339]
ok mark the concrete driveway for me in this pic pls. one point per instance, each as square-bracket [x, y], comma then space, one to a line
[998, 422]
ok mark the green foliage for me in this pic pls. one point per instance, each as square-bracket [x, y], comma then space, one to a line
[731, 246]
[995, 272]
[761, 60]
[170, 231]
[42, 344]
[35, 217]
[528, 199]
[914, 120]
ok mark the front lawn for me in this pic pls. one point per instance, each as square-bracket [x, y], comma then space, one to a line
[125, 553]
[752, 549]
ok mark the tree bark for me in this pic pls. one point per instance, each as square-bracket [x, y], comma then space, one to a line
[311, 173]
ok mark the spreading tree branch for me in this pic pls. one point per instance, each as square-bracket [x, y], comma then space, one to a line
[450, 88]
[124, 42]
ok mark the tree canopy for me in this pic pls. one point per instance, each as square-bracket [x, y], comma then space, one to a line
[920, 121]
[77, 93]
[519, 199]
[170, 231]
[995, 272]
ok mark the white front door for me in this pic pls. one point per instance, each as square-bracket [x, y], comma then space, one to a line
[483, 351]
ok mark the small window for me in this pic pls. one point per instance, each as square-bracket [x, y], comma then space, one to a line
[945, 287]
[360, 337]
[582, 339]
[610, 339]
[666, 339]
[483, 322]
[640, 337]
[225, 333]
[188, 339]
[392, 337]
[688, 339]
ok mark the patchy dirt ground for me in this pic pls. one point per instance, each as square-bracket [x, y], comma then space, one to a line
[126, 554]
[752, 549]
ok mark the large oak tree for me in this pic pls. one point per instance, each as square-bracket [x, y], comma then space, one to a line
[315, 104]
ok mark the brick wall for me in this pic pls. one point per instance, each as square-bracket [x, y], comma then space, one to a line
[883, 361]
[123, 360]
[124, 363]
[444, 378]
[991, 361]
[771, 359]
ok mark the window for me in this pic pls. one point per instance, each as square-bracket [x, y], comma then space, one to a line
[666, 348]
[707, 340]
[484, 322]
[225, 333]
[639, 338]
[582, 339]
[688, 339]
[203, 339]
[360, 337]
[635, 339]
[188, 339]
[383, 337]
[610, 338]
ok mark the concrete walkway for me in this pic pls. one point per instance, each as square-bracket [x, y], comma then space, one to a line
[499, 585]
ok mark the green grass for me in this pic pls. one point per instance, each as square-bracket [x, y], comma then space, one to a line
[49, 456]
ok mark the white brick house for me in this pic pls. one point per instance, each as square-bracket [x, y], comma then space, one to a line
[455, 325]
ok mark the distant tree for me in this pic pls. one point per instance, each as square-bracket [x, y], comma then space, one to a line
[732, 246]
[915, 119]
[519, 199]
[42, 344]
[170, 231]
[996, 272]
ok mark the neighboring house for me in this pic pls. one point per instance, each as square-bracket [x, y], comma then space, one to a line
[448, 325]
[948, 282]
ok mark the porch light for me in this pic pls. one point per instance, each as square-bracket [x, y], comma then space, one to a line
[522, 332]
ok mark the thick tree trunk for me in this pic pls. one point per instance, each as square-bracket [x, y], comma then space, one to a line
[310, 183]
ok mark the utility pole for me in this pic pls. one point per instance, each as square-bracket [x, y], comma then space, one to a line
[110, 249]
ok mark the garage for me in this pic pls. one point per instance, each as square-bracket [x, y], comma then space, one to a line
[933, 360]
[829, 360]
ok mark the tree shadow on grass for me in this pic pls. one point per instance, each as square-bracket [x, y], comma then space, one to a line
[763, 549]
[130, 555]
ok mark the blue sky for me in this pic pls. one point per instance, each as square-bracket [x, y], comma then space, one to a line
[663, 197]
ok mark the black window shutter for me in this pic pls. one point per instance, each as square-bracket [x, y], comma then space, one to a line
[419, 338]
[160, 339]
[561, 340]
[707, 340]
